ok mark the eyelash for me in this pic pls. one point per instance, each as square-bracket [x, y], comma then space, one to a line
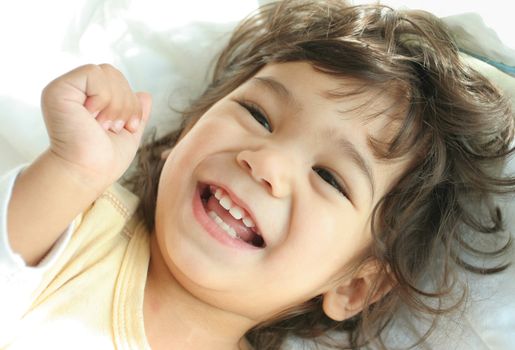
[328, 177]
[260, 117]
[256, 113]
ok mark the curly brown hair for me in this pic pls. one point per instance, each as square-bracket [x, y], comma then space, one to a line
[441, 213]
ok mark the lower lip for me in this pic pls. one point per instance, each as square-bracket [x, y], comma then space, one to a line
[213, 229]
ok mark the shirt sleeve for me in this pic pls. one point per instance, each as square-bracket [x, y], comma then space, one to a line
[17, 280]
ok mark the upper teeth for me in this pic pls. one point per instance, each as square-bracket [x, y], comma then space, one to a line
[235, 211]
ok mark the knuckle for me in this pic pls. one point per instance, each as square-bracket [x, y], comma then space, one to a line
[110, 69]
[116, 111]
[106, 66]
[102, 116]
[50, 91]
[47, 91]
[103, 98]
[90, 68]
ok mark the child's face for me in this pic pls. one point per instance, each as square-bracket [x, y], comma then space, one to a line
[302, 182]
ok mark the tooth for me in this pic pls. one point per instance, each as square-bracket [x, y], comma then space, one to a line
[236, 212]
[225, 226]
[226, 202]
[230, 231]
[248, 222]
[218, 193]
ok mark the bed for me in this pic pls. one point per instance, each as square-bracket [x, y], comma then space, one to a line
[165, 48]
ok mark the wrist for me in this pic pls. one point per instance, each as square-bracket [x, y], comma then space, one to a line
[74, 175]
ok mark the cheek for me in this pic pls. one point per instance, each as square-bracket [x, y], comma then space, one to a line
[331, 237]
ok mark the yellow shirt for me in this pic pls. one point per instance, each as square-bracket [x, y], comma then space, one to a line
[92, 298]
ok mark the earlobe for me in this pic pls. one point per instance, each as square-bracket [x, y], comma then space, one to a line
[165, 153]
[349, 297]
[344, 301]
[335, 305]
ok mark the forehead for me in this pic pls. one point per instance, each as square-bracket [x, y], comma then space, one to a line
[379, 109]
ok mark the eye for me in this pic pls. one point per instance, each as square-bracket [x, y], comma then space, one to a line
[328, 177]
[256, 113]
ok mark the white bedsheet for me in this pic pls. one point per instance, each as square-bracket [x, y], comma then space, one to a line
[164, 47]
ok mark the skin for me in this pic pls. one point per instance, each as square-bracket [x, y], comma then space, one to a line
[202, 294]
[95, 123]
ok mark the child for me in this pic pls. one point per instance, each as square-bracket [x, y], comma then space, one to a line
[329, 165]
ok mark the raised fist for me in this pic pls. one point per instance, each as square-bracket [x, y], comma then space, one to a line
[94, 121]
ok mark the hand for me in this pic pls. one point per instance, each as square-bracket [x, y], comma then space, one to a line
[95, 122]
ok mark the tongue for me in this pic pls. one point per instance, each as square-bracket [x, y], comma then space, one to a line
[243, 231]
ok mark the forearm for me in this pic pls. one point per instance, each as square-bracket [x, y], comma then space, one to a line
[84, 156]
[46, 197]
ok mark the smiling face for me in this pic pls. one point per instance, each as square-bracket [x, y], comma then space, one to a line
[268, 197]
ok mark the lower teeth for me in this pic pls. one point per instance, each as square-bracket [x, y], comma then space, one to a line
[230, 231]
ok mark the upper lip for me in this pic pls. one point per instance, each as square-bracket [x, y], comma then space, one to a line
[239, 202]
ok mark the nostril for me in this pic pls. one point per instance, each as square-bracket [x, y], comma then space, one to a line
[267, 184]
[246, 164]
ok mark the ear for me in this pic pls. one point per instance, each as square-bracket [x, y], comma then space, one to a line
[165, 153]
[348, 297]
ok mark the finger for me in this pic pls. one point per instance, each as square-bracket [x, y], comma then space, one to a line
[95, 85]
[124, 104]
[114, 113]
[146, 105]
[83, 89]
[128, 115]
[127, 139]
[136, 112]
[138, 123]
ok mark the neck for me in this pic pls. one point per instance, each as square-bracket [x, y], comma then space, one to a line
[175, 319]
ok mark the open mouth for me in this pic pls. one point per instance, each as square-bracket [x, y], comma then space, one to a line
[230, 217]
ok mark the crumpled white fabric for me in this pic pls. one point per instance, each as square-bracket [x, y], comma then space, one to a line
[475, 38]
[17, 280]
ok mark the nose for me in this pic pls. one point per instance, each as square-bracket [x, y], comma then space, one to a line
[268, 167]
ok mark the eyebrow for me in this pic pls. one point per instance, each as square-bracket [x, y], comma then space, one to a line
[278, 88]
[347, 147]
